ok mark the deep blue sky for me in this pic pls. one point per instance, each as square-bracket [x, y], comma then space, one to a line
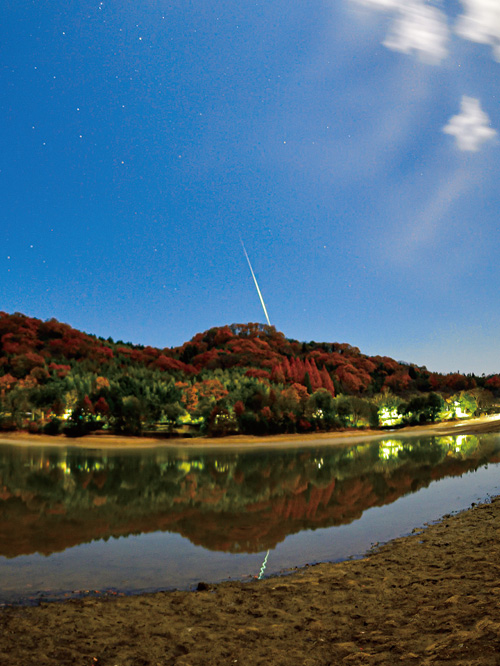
[351, 143]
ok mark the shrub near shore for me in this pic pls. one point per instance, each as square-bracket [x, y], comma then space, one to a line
[243, 378]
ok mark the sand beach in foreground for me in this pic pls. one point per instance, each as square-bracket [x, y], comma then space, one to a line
[353, 436]
[429, 598]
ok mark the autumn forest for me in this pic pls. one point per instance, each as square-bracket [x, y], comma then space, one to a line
[242, 378]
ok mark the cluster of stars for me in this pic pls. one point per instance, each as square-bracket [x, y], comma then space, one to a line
[10, 258]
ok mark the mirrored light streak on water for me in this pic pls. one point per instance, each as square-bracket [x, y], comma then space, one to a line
[165, 559]
[263, 567]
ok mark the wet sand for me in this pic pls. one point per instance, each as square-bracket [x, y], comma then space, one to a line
[101, 440]
[430, 598]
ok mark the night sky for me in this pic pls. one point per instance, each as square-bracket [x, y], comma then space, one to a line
[352, 144]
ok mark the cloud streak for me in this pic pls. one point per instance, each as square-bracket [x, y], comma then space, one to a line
[471, 127]
[416, 28]
[416, 235]
[480, 23]
[421, 29]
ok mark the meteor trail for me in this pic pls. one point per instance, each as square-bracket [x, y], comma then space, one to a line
[256, 283]
[263, 567]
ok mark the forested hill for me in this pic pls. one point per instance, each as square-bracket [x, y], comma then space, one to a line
[237, 378]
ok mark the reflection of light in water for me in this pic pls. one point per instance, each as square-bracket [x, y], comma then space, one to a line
[446, 441]
[389, 448]
[187, 466]
[464, 441]
[263, 567]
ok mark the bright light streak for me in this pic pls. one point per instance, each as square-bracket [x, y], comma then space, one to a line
[263, 567]
[256, 283]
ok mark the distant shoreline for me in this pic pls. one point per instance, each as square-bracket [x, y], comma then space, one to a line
[250, 442]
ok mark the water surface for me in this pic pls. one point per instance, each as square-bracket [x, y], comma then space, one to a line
[73, 520]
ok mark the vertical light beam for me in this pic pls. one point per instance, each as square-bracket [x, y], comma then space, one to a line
[263, 567]
[256, 283]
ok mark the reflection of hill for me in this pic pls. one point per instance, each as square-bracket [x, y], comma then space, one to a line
[234, 503]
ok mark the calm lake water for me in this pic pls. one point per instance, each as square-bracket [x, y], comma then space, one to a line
[73, 521]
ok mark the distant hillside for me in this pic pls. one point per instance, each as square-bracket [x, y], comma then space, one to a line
[237, 378]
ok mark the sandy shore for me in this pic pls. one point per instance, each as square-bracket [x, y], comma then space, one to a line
[430, 598]
[101, 440]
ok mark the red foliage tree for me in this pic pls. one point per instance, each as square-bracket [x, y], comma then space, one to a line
[457, 382]
[223, 335]
[286, 369]
[399, 382]
[277, 374]
[87, 405]
[266, 413]
[326, 381]
[6, 383]
[258, 374]
[239, 408]
[22, 365]
[352, 380]
[297, 370]
[493, 382]
[101, 406]
[61, 370]
[314, 376]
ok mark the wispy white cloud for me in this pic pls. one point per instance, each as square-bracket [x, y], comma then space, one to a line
[418, 234]
[380, 4]
[471, 127]
[416, 28]
[481, 23]
[429, 222]
[423, 29]
[419, 28]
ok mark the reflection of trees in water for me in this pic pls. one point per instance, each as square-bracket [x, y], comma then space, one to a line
[233, 502]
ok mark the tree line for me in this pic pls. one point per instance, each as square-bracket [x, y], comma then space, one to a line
[243, 378]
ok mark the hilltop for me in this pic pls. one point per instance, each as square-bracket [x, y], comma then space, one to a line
[246, 378]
